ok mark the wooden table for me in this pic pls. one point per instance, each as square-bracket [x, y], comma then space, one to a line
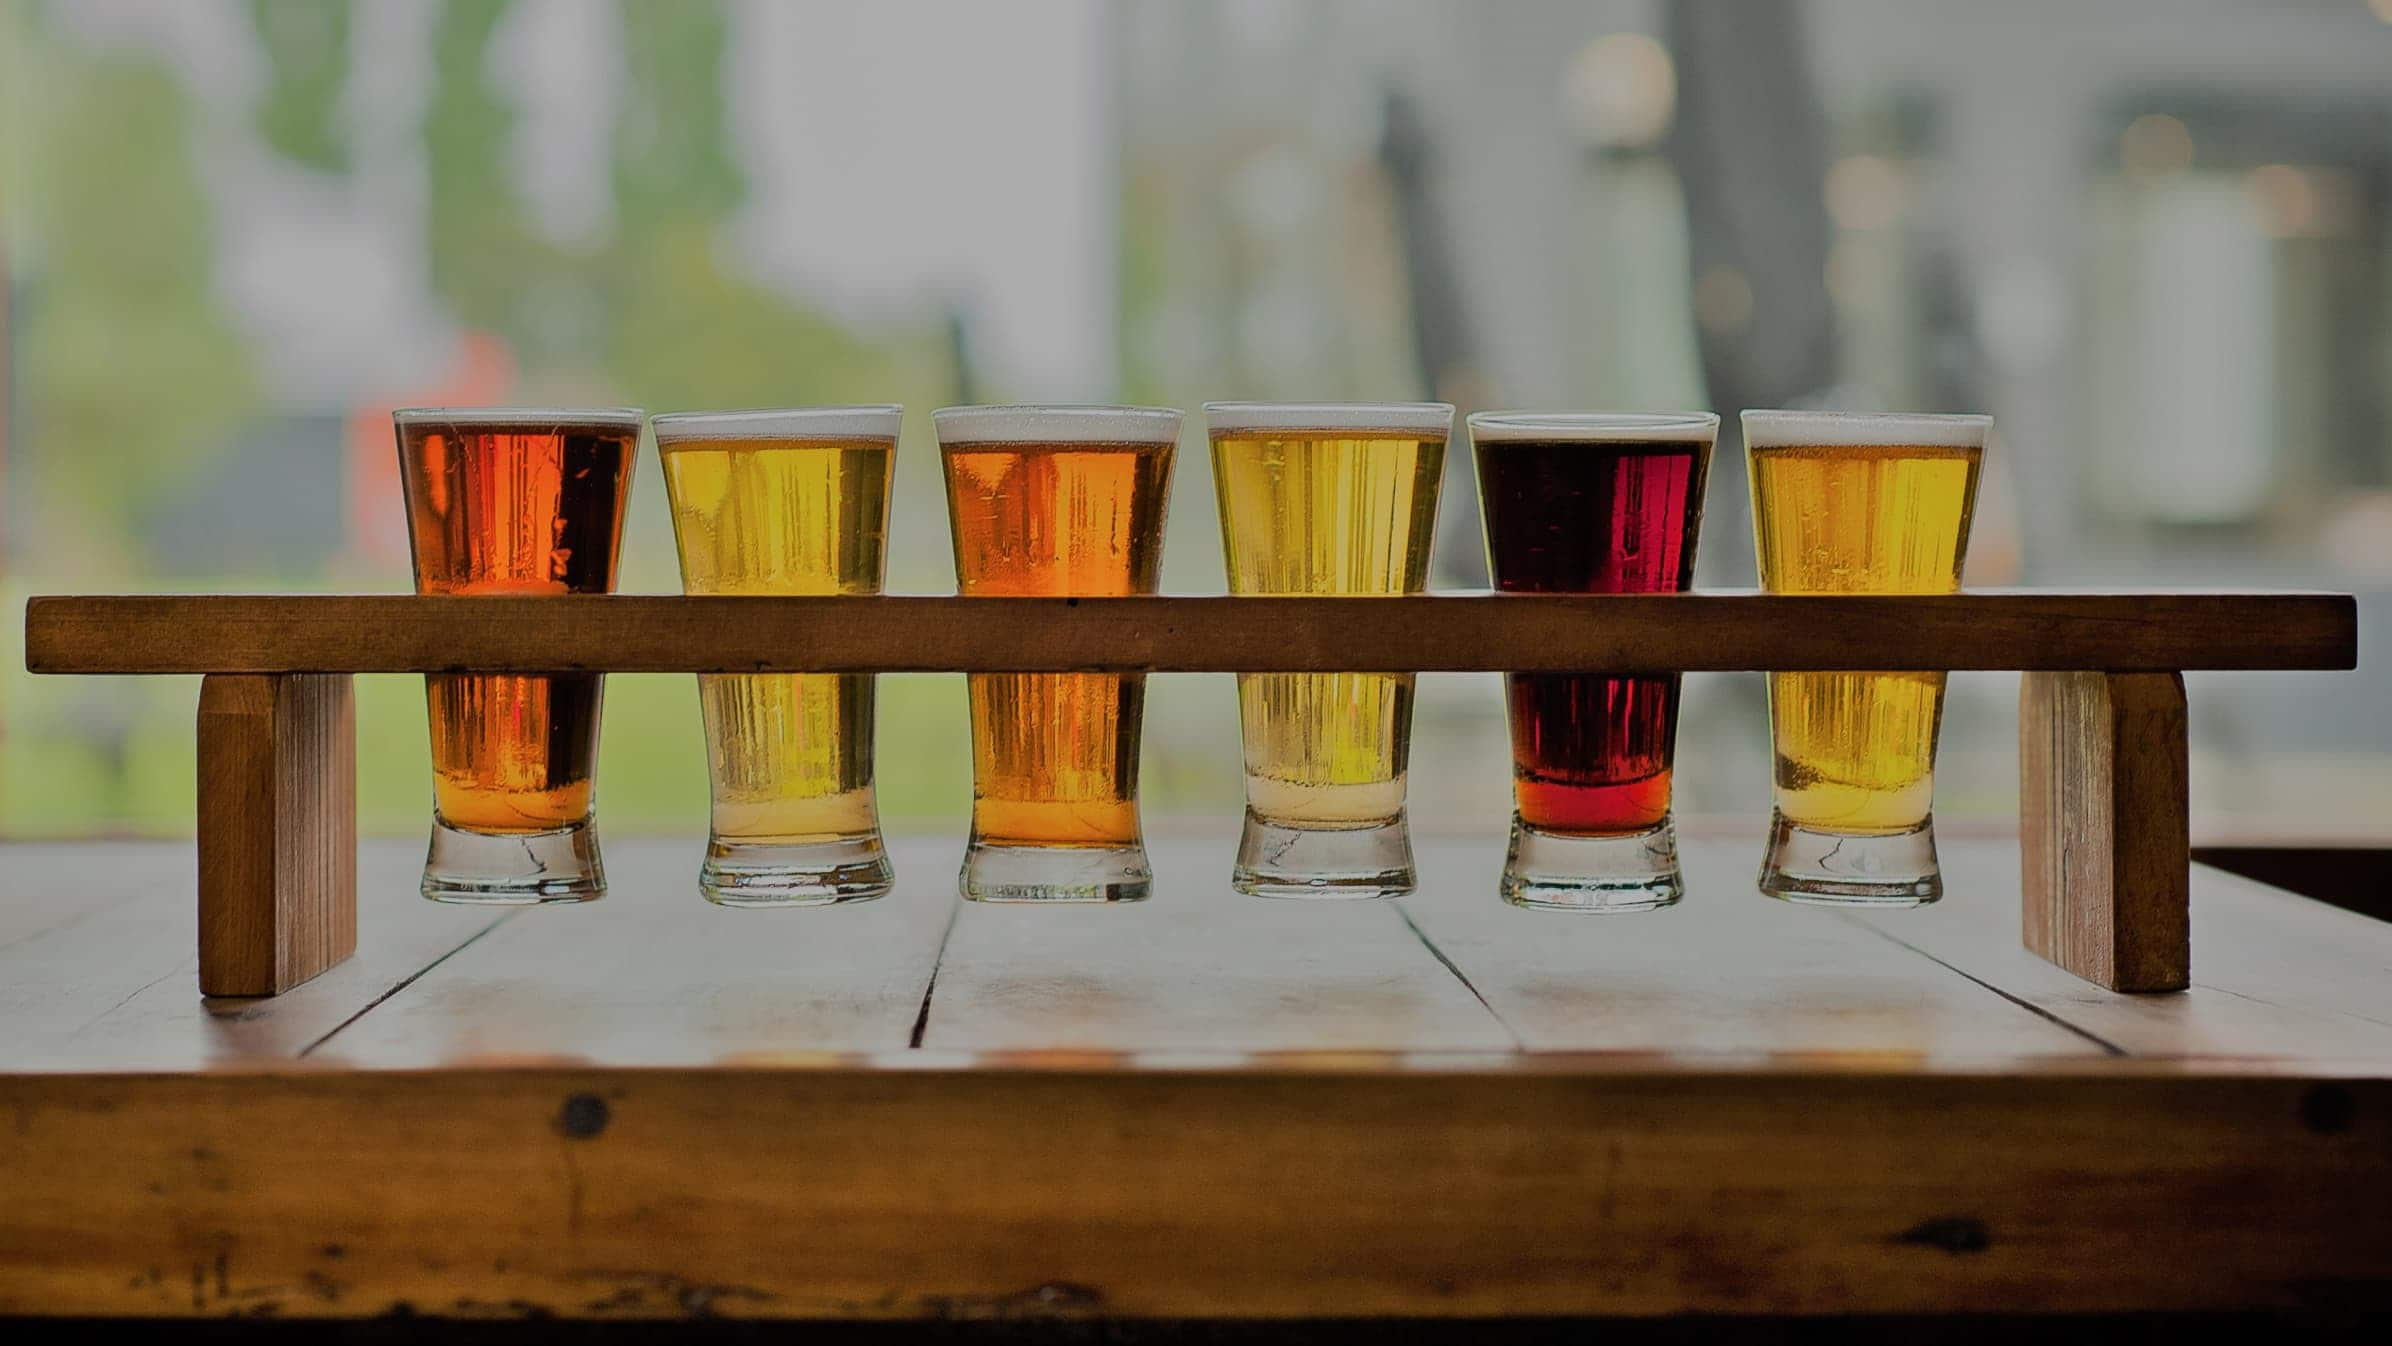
[1203, 1106]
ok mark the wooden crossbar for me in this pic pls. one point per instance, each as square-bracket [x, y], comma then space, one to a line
[1644, 633]
[2101, 725]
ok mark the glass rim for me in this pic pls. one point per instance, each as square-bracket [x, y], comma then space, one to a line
[1056, 423]
[1593, 427]
[863, 420]
[1789, 428]
[630, 416]
[1386, 417]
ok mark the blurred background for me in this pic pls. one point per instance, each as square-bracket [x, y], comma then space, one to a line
[2152, 237]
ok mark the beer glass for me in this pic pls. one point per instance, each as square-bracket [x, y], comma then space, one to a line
[1858, 504]
[1592, 504]
[516, 502]
[1326, 499]
[1056, 502]
[785, 502]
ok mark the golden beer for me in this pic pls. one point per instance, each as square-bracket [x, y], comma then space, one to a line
[1056, 502]
[1853, 504]
[785, 502]
[1329, 500]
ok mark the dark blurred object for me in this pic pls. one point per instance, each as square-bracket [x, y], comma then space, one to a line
[2355, 877]
[1750, 147]
[1440, 326]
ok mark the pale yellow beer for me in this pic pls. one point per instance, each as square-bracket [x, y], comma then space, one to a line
[790, 503]
[1858, 504]
[1327, 500]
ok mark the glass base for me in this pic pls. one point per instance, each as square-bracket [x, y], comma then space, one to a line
[1274, 860]
[1833, 869]
[1054, 873]
[514, 869]
[815, 874]
[1630, 871]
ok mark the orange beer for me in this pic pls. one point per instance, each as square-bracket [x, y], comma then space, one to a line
[514, 502]
[1056, 502]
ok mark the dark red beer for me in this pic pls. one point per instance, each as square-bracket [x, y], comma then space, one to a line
[1592, 505]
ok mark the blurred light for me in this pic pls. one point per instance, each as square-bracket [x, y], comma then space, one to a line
[1866, 192]
[2298, 201]
[2022, 312]
[2382, 8]
[2286, 200]
[1275, 192]
[1621, 91]
[2358, 533]
[2155, 145]
[1851, 281]
[1723, 301]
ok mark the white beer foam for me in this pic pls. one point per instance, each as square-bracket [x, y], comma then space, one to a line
[1784, 429]
[877, 421]
[1057, 425]
[1593, 427]
[474, 416]
[1386, 418]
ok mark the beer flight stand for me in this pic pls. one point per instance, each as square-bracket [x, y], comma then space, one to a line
[2102, 728]
[1202, 1106]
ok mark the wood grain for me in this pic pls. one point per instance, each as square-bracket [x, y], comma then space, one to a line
[1198, 968]
[111, 990]
[1727, 971]
[2281, 978]
[2103, 825]
[51, 885]
[654, 975]
[1009, 1194]
[277, 830]
[2122, 632]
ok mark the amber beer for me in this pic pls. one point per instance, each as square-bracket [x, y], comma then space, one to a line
[1858, 504]
[1056, 502]
[514, 502]
[785, 502]
[1328, 499]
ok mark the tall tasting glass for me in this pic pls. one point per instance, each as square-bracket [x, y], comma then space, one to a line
[1592, 504]
[514, 501]
[1326, 499]
[785, 502]
[1849, 503]
[1056, 502]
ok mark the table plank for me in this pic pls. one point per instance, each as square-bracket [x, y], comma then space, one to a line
[1201, 968]
[2274, 974]
[655, 975]
[63, 885]
[1725, 971]
[936, 1195]
[2033, 629]
[118, 989]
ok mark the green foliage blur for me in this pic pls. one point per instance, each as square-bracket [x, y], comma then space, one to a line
[133, 379]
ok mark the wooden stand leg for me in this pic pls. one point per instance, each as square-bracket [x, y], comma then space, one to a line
[277, 830]
[2106, 851]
